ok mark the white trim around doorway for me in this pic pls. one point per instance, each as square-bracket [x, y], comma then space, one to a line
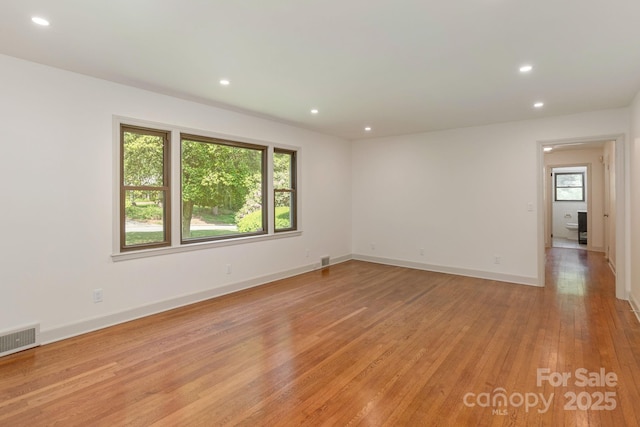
[622, 206]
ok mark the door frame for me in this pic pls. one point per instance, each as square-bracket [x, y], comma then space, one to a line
[549, 202]
[622, 204]
[606, 161]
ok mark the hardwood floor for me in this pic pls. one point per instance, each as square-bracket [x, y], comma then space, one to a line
[355, 344]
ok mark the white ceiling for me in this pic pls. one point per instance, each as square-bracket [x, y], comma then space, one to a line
[401, 67]
[576, 146]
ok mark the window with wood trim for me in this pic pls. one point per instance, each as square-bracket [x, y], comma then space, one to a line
[145, 201]
[284, 190]
[222, 191]
[223, 188]
[569, 187]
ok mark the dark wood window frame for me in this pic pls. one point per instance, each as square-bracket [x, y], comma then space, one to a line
[172, 169]
[292, 191]
[264, 165]
[556, 187]
[165, 188]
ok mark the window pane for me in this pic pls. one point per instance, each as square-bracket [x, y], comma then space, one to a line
[568, 194]
[284, 190]
[281, 170]
[144, 188]
[284, 218]
[569, 186]
[143, 159]
[569, 180]
[221, 190]
[144, 217]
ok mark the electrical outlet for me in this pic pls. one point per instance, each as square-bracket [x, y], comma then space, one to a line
[496, 259]
[373, 246]
[97, 295]
[307, 252]
[421, 251]
[228, 268]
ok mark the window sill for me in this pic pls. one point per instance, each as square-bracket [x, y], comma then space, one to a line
[124, 256]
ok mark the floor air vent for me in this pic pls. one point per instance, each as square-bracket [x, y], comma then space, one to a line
[324, 261]
[19, 339]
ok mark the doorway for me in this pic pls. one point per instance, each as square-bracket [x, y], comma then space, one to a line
[570, 197]
[603, 181]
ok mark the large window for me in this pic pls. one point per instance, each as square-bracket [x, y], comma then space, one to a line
[220, 190]
[223, 188]
[569, 187]
[284, 189]
[144, 188]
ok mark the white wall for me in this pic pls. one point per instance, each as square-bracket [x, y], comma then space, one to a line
[635, 201]
[57, 187]
[462, 195]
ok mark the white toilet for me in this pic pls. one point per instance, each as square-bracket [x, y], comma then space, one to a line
[573, 228]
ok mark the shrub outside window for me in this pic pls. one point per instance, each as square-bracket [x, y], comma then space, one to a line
[284, 189]
[569, 187]
[144, 188]
[223, 189]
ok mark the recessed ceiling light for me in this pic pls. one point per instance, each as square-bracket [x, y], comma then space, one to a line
[40, 21]
[225, 82]
[547, 149]
[538, 105]
[314, 111]
[368, 129]
[526, 68]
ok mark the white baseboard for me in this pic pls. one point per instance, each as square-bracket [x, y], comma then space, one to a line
[635, 306]
[510, 278]
[89, 325]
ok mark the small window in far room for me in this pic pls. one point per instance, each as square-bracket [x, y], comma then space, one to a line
[569, 187]
[284, 189]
